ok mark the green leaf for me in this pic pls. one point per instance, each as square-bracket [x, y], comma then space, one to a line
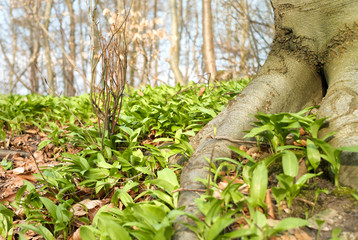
[239, 233]
[163, 140]
[289, 163]
[125, 198]
[258, 131]
[43, 144]
[86, 233]
[313, 154]
[6, 164]
[38, 229]
[50, 206]
[258, 186]
[96, 173]
[289, 223]
[211, 112]
[348, 148]
[168, 175]
[316, 126]
[144, 170]
[113, 229]
[241, 153]
[219, 225]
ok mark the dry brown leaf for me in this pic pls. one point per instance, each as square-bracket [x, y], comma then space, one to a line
[39, 156]
[234, 179]
[80, 208]
[268, 201]
[31, 131]
[2, 171]
[244, 189]
[222, 185]
[19, 170]
[301, 235]
[28, 177]
[17, 157]
[18, 141]
[217, 194]
[286, 236]
[243, 148]
[76, 235]
[201, 91]
[302, 168]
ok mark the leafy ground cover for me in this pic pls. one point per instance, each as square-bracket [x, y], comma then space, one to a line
[60, 180]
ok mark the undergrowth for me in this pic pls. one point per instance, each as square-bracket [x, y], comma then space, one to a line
[126, 184]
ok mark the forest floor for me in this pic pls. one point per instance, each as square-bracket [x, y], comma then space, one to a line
[320, 201]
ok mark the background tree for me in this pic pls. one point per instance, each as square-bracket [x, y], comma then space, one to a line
[69, 83]
[47, 49]
[175, 42]
[208, 40]
[63, 35]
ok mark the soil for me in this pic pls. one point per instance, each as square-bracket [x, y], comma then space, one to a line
[338, 208]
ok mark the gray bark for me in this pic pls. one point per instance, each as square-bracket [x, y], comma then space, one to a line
[46, 43]
[208, 40]
[175, 43]
[69, 84]
[315, 43]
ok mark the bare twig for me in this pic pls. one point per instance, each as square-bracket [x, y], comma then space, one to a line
[305, 201]
[38, 168]
[68, 109]
[4, 153]
[235, 140]
[189, 190]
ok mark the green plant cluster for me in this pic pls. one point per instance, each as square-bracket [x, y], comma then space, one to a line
[137, 176]
[19, 112]
[172, 113]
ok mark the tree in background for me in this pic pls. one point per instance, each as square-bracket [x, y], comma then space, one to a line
[208, 40]
[51, 38]
[175, 43]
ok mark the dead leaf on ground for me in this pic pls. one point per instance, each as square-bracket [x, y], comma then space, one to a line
[31, 131]
[201, 91]
[76, 235]
[19, 170]
[301, 235]
[268, 201]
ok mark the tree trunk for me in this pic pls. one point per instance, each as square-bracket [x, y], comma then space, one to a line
[46, 42]
[34, 49]
[315, 46]
[175, 43]
[69, 84]
[208, 40]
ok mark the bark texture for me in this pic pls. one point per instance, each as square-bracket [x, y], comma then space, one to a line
[174, 42]
[208, 39]
[315, 47]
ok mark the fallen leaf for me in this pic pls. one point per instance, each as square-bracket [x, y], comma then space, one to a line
[31, 131]
[76, 235]
[222, 185]
[302, 168]
[234, 179]
[268, 201]
[201, 92]
[244, 189]
[18, 170]
[301, 235]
